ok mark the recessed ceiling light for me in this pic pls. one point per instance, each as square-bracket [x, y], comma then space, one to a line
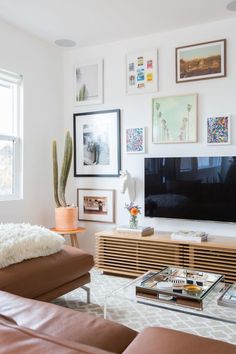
[232, 6]
[65, 43]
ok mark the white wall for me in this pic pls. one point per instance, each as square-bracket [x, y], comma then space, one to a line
[215, 97]
[42, 67]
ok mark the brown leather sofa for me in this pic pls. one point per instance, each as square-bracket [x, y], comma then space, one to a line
[31, 326]
[46, 278]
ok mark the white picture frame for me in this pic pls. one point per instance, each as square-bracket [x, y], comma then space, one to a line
[96, 205]
[135, 140]
[88, 82]
[218, 130]
[142, 72]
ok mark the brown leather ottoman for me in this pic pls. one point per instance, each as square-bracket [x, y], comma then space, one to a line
[46, 278]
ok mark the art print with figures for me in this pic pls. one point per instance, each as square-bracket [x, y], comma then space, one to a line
[97, 143]
[174, 119]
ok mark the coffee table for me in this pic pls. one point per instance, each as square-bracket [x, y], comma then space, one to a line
[211, 309]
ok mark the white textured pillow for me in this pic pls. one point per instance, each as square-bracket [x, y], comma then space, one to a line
[24, 241]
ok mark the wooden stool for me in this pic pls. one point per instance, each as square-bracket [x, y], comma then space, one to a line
[72, 233]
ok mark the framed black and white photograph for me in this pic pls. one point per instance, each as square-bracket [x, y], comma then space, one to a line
[88, 83]
[96, 205]
[97, 144]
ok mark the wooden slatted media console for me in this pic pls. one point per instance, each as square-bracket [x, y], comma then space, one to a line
[133, 255]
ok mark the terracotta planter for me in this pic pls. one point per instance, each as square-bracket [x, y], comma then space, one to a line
[66, 218]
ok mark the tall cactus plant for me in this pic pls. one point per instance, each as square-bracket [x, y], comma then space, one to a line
[60, 185]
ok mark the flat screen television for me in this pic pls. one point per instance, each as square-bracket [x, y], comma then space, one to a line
[198, 188]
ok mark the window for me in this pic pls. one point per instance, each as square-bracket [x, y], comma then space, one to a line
[10, 136]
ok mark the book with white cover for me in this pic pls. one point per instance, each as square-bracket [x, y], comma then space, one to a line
[189, 236]
[140, 230]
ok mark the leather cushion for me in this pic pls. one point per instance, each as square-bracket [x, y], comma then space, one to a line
[167, 341]
[20, 340]
[66, 323]
[34, 277]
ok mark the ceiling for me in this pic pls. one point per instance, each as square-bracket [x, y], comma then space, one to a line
[91, 22]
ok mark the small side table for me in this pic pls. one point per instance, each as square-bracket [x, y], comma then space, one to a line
[72, 233]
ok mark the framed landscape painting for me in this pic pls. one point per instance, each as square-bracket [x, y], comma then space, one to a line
[97, 144]
[88, 83]
[96, 205]
[142, 72]
[218, 130]
[135, 140]
[174, 119]
[201, 61]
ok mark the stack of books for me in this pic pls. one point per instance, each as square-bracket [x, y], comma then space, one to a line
[194, 236]
[140, 230]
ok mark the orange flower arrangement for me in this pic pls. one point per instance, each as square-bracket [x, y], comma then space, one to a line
[134, 210]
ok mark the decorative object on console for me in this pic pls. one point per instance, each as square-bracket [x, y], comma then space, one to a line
[96, 205]
[135, 140]
[65, 215]
[218, 130]
[174, 119]
[139, 230]
[201, 61]
[142, 72]
[228, 298]
[127, 183]
[133, 210]
[193, 236]
[97, 143]
[88, 82]
[24, 241]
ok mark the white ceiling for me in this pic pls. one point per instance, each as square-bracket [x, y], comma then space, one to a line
[90, 22]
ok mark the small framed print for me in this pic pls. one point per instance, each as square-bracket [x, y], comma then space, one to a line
[88, 83]
[96, 205]
[218, 130]
[201, 61]
[135, 140]
[142, 72]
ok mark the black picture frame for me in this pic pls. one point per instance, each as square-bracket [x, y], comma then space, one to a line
[97, 150]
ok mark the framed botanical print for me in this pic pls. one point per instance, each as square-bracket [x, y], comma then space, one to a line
[142, 72]
[88, 83]
[96, 205]
[201, 61]
[218, 130]
[174, 119]
[97, 150]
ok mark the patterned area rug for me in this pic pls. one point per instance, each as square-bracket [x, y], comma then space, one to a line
[139, 316]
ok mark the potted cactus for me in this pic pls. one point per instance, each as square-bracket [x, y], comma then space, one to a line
[65, 215]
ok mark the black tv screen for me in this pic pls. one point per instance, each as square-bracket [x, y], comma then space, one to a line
[199, 188]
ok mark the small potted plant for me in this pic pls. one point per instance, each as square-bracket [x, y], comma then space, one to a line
[134, 211]
[65, 215]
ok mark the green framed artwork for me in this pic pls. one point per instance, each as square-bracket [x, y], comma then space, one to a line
[174, 119]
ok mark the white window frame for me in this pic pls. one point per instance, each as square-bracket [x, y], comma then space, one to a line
[6, 79]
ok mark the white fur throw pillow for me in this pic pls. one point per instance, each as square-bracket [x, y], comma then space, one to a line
[24, 241]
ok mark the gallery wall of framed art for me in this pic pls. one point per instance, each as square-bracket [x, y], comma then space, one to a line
[185, 113]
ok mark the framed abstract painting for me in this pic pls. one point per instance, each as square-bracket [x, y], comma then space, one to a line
[218, 130]
[135, 140]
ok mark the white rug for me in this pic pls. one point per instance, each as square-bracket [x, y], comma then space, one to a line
[139, 316]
